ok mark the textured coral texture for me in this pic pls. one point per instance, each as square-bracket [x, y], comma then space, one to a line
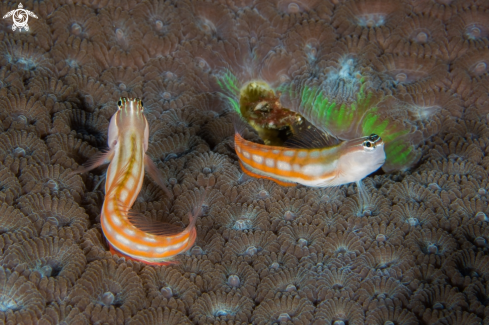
[412, 250]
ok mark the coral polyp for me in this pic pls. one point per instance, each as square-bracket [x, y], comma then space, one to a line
[256, 111]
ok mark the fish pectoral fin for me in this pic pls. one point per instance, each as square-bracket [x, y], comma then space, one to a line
[156, 175]
[99, 159]
[251, 173]
[154, 227]
[103, 178]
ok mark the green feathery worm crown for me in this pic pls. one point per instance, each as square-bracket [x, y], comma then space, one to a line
[230, 89]
[348, 121]
[344, 121]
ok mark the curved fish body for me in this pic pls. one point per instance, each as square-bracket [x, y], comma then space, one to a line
[349, 161]
[129, 234]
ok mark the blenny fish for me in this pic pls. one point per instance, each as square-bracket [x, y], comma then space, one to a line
[130, 234]
[342, 163]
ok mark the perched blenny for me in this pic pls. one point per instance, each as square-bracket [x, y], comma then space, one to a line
[129, 234]
[346, 162]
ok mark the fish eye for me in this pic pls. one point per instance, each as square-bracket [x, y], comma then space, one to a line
[369, 145]
[142, 103]
[374, 137]
[119, 103]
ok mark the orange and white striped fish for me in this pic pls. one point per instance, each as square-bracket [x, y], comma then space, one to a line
[132, 235]
[347, 162]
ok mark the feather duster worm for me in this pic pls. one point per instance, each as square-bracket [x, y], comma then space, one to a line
[343, 243]
[383, 291]
[466, 266]
[55, 95]
[14, 227]
[165, 68]
[75, 58]
[301, 240]
[411, 72]
[92, 93]
[289, 211]
[407, 215]
[108, 292]
[430, 242]
[23, 303]
[261, 190]
[339, 310]
[470, 69]
[242, 217]
[123, 82]
[194, 269]
[339, 282]
[273, 263]
[213, 21]
[19, 112]
[455, 168]
[68, 151]
[62, 313]
[88, 127]
[476, 293]
[166, 287]
[120, 29]
[256, 38]
[10, 188]
[366, 206]
[290, 282]
[160, 315]
[61, 217]
[437, 302]
[421, 36]
[74, 21]
[384, 261]
[384, 315]
[470, 24]
[94, 245]
[51, 263]
[285, 309]
[235, 276]
[311, 43]
[219, 306]
[425, 276]
[160, 96]
[52, 180]
[250, 245]
[361, 118]
[178, 120]
[375, 234]
[176, 146]
[26, 58]
[473, 236]
[284, 14]
[459, 317]
[161, 26]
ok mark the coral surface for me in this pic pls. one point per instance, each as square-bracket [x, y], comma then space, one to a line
[411, 248]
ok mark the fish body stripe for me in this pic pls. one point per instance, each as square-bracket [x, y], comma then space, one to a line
[292, 165]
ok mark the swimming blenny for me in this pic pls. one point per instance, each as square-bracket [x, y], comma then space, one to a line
[324, 166]
[130, 234]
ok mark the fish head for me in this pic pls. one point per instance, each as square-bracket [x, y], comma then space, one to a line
[362, 157]
[129, 118]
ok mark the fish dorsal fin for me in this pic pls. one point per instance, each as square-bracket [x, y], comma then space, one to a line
[240, 125]
[153, 227]
[309, 137]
